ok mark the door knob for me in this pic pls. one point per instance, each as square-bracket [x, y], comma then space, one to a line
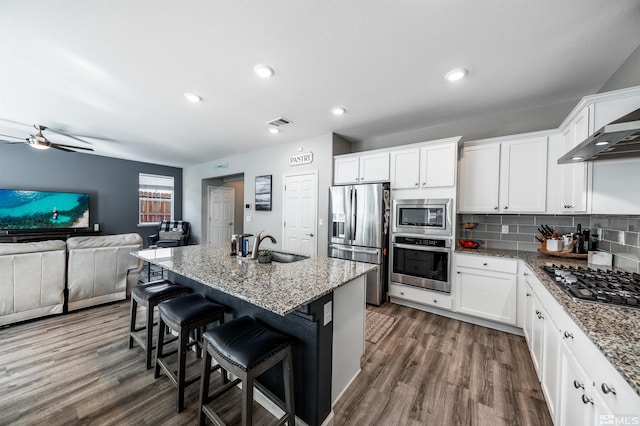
[310, 235]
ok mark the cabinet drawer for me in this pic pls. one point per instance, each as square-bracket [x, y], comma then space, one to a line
[489, 263]
[418, 295]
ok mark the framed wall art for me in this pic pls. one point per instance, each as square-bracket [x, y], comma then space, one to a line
[263, 193]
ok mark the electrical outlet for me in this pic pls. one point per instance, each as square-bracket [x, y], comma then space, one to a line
[505, 229]
[249, 218]
[320, 222]
[328, 313]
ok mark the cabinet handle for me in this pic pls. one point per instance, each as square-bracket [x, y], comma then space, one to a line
[495, 208]
[484, 264]
[417, 184]
[568, 335]
[528, 294]
[525, 274]
[577, 384]
[424, 183]
[506, 207]
[607, 389]
[586, 399]
[435, 301]
[402, 293]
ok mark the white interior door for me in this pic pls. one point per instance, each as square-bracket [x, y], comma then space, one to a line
[299, 213]
[220, 214]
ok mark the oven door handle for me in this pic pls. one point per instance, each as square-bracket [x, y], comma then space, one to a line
[421, 248]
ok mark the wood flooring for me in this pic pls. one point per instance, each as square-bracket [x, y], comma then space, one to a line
[76, 369]
[432, 370]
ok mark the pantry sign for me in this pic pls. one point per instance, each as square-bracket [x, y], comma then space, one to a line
[302, 158]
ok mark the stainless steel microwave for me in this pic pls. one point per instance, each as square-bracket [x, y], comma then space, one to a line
[423, 216]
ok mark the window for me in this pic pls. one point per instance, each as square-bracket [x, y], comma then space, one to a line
[155, 198]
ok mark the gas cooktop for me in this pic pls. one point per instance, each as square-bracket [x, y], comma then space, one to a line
[596, 285]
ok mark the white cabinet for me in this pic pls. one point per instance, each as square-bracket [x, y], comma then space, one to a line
[373, 167]
[575, 404]
[578, 382]
[574, 177]
[523, 175]
[421, 296]
[479, 178]
[504, 177]
[487, 288]
[428, 166]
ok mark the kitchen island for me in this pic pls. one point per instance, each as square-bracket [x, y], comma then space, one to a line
[318, 301]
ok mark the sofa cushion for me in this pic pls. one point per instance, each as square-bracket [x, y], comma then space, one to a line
[20, 248]
[75, 243]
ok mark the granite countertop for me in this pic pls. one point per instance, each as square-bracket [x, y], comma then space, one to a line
[277, 287]
[614, 330]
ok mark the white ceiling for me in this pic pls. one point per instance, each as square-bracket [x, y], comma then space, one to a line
[117, 69]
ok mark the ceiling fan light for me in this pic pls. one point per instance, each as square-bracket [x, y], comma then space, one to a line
[37, 145]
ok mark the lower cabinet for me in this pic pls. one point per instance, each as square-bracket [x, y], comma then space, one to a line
[419, 295]
[487, 287]
[580, 385]
[576, 406]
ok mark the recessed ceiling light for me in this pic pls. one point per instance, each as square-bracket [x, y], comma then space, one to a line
[338, 110]
[576, 158]
[600, 143]
[192, 97]
[263, 71]
[274, 130]
[456, 74]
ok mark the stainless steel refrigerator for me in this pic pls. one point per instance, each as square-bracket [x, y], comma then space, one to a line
[359, 230]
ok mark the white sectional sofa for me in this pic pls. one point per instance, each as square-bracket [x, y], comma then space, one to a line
[101, 269]
[93, 270]
[32, 280]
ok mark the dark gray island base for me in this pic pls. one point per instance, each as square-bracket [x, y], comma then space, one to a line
[291, 298]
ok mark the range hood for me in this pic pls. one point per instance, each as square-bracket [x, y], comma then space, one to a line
[618, 139]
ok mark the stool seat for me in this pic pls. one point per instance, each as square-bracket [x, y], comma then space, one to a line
[189, 309]
[246, 348]
[245, 343]
[157, 291]
[184, 314]
[149, 295]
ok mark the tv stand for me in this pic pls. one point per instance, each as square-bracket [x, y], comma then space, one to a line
[44, 235]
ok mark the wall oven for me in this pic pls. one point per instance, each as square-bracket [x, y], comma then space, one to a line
[423, 216]
[421, 261]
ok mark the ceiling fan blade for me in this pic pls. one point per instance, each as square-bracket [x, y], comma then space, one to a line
[56, 145]
[14, 137]
[67, 135]
[60, 148]
[10, 142]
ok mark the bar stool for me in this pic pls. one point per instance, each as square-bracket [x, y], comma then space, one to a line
[150, 295]
[246, 349]
[183, 315]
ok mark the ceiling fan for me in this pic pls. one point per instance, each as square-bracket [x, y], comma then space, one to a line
[39, 141]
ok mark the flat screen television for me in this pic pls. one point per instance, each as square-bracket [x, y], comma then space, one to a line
[33, 210]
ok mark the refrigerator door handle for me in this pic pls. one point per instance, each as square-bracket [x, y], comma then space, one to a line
[355, 212]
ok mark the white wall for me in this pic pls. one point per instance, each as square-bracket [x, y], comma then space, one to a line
[273, 160]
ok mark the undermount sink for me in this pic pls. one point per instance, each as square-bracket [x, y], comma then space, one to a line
[276, 256]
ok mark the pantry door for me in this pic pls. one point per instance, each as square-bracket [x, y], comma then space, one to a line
[300, 211]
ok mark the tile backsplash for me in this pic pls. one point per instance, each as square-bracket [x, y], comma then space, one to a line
[620, 234]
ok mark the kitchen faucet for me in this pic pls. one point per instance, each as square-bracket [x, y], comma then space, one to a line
[258, 240]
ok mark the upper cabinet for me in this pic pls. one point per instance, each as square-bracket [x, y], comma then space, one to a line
[373, 167]
[509, 176]
[574, 181]
[428, 166]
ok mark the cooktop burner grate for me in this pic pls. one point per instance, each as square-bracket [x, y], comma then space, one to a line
[596, 285]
